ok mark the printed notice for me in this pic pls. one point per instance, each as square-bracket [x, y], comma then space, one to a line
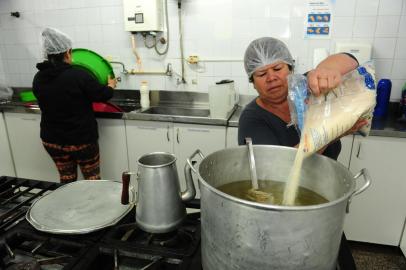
[318, 19]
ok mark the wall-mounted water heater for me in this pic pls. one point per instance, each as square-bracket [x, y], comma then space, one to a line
[143, 15]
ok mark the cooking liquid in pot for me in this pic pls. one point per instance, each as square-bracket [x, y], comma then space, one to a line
[240, 189]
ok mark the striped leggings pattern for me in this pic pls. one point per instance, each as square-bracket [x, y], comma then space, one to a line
[67, 158]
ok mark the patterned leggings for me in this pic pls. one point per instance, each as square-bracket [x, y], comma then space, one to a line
[68, 157]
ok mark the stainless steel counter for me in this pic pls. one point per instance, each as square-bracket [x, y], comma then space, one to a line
[128, 100]
[198, 101]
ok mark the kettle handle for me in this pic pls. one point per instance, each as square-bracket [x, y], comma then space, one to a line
[125, 177]
[367, 183]
[190, 191]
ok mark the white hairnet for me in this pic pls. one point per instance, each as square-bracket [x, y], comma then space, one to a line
[54, 41]
[265, 51]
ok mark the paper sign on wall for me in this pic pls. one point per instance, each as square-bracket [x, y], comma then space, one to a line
[318, 19]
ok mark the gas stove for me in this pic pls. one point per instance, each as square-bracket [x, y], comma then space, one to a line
[123, 246]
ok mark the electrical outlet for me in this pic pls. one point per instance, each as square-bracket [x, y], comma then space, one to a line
[193, 59]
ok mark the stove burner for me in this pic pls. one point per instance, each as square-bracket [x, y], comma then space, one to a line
[182, 242]
[21, 250]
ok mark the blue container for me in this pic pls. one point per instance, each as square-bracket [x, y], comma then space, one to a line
[403, 100]
[382, 98]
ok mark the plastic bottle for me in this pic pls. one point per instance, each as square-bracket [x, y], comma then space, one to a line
[144, 92]
[382, 98]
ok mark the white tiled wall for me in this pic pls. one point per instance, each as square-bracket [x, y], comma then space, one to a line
[215, 30]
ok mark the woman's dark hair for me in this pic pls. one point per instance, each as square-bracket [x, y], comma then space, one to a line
[56, 58]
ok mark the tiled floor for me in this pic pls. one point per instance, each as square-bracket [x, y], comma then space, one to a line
[377, 257]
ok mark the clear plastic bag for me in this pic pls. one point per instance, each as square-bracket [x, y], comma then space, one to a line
[320, 120]
[6, 93]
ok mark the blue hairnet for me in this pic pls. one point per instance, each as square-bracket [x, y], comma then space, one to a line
[54, 41]
[266, 51]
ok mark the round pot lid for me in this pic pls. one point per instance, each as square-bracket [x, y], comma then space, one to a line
[79, 207]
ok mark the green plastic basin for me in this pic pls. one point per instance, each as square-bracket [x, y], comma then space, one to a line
[27, 96]
[93, 63]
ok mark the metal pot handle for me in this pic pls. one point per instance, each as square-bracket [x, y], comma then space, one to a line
[367, 180]
[189, 160]
[190, 192]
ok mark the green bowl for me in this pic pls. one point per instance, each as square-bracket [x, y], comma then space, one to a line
[27, 96]
[93, 63]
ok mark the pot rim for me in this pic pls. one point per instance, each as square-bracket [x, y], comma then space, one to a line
[345, 197]
[159, 165]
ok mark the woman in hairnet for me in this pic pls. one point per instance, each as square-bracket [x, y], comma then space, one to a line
[65, 95]
[265, 119]
[268, 62]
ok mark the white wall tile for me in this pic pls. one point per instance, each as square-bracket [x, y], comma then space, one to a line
[213, 30]
[342, 27]
[237, 69]
[366, 7]
[387, 26]
[279, 28]
[402, 27]
[62, 4]
[364, 26]
[399, 69]
[111, 15]
[222, 70]
[396, 90]
[400, 52]
[383, 47]
[383, 68]
[390, 7]
[344, 8]
[298, 9]
[297, 28]
[404, 8]
[280, 9]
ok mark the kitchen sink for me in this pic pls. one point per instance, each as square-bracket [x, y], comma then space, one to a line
[177, 111]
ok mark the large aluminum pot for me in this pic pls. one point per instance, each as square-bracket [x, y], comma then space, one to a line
[239, 234]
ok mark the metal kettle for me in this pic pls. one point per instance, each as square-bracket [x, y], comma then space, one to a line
[159, 205]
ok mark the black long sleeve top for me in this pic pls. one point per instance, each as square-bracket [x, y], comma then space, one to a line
[65, 95]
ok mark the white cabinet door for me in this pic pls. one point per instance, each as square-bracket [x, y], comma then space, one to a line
[378, 214]
[232, 137]
[145, 137]
[188, 138]
[30, 158]
[113, 148]
[345, 154]
[6, 161]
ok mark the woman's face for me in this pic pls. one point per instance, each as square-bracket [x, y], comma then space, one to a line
[271, 82]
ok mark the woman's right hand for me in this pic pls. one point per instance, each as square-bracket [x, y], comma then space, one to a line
[112, 82]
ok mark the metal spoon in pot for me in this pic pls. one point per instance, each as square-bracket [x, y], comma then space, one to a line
[254, 194]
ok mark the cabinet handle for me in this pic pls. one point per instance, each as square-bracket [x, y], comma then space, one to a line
[198, 129]
[359, 150]
[177, 135]
[29, 119]
[167, 133]
[150, 128]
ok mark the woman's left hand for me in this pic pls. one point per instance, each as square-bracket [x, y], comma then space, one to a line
[322, 80]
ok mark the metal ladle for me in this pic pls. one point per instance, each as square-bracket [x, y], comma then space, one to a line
[254, 194]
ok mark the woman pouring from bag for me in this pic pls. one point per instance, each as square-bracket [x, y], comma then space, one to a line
[65, 94]
[268, 63]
